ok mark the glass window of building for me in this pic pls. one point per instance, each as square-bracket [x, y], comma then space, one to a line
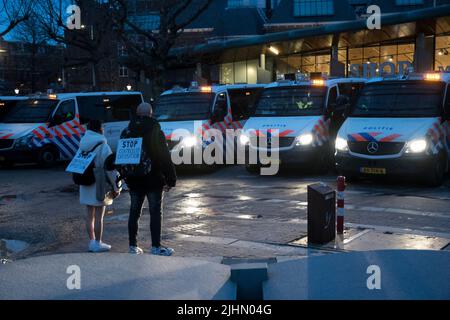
[123, 71]
[311, 8]
[239, 72]
[442, 54]
[323, 63]
[406, 52]
[227, 73]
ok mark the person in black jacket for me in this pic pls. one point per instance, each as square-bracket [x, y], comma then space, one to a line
[161, 178]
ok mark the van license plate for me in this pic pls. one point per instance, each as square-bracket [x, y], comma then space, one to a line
[373, 170]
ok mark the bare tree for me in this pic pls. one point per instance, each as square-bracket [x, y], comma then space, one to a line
[148, 48]
[86, 46]
[12, 13]
[31, 34]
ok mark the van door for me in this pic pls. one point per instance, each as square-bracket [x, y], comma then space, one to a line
[115, 110]
[243, 104]
[64, 132]
[221, 111]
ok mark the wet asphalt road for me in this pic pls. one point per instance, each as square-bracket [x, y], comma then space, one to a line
[227, 212]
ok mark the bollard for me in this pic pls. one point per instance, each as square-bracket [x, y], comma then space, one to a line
[321, 214]
[340, 204]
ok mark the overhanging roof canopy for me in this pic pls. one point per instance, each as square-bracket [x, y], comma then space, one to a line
[352, 33]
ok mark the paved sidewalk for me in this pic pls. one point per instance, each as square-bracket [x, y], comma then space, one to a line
[115, 276]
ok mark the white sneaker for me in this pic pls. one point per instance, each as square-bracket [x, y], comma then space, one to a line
[98, 246]
[103, 247]
[162, 251]
[135, 250]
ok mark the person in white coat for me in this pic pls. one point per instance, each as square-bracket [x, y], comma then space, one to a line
[88, 194]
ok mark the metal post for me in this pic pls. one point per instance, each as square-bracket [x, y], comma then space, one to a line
[340, 205]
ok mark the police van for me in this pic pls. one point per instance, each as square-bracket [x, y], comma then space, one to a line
[48, 128]
[7, 103]
[200, 108]
[399, 126]
[305, 114]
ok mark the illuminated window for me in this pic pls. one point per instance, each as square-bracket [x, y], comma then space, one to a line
[122, 50]
[123, 71]
[309, 8]
[442, 54]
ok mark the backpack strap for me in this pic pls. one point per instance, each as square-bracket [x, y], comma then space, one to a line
[95, 147]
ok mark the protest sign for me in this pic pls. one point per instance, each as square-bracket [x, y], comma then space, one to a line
[129, 151]
[80, 162]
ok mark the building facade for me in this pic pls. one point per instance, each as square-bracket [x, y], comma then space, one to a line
[29, 69]
[423, 43]
[256, 41]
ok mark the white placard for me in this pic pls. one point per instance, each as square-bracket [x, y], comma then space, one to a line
[129, 151]
[80, 162]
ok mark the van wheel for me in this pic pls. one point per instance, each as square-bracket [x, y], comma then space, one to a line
[436, 178]
[48, 157]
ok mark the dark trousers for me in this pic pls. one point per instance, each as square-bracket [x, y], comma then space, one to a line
[155, 207]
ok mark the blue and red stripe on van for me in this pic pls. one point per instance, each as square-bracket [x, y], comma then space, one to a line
[372, 137]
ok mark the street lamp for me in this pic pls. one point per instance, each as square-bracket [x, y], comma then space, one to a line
[16, 90]
[129, 87]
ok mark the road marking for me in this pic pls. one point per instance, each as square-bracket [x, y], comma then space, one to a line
[399, 230]
[435, 214]
[303, 205]
[356, 236]
[384, 229]
[244, 244]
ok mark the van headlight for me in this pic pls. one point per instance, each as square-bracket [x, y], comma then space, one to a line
[304, 139]
[416, 146]
[23, 142]
[189, 142]
[341, 144]
[244, 139]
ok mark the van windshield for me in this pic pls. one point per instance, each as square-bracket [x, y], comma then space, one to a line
[291, 101]
[400, 99]
[184, 106]
[31, 111]
[6, 106]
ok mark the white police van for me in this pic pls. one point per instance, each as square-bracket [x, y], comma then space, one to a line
[399, 126]
[48, 128]
[306, 115]
[199, 108]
